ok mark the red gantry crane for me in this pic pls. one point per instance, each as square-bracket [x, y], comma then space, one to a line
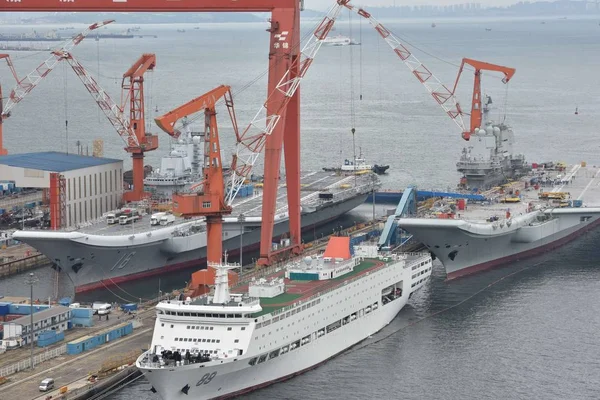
[210, 201]
[26, 84]
[441, 93]
[132, 130]
[287, 66]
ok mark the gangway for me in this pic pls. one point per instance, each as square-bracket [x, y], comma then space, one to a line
[406, 207]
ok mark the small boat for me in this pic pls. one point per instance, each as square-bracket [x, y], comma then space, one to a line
[380, 169]
[576, 111]
[488, 29]
[339, 40]
[433, 25]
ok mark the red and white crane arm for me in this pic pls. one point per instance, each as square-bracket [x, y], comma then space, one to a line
[252, 140]
[113, 112]
[25, 85]
[440, 92]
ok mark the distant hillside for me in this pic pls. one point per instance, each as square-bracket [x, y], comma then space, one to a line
[142, 18]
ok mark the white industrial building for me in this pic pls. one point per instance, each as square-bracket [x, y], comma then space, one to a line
[93, 185]
[55, 318]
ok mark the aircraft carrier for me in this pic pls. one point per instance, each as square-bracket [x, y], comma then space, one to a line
[101, 255]
[542, 211]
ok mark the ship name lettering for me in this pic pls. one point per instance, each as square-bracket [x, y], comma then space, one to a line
[206, 379]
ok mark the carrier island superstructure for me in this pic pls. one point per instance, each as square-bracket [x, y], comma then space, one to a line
[274, 327]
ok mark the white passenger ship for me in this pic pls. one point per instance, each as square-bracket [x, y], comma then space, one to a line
[275, 327]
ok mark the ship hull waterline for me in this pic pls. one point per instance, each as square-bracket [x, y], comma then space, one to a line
[481, 253]
[90, 267]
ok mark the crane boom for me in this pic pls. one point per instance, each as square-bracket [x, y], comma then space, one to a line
[210, 202]
[208, 100]
[476, 108]
[440, 92]
[252, 140]
[25, 85]
[113, 112]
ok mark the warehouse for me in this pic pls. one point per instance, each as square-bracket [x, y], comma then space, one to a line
[55, 318]
[89, 186]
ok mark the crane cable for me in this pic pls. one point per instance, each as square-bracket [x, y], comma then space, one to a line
[66, 98]
[352, 113]
[360, 70]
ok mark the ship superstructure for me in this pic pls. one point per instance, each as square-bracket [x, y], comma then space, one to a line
[538, 213]
[179, 169]
[496, 163]
[280, 324]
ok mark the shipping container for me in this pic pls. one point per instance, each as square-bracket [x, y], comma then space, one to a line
[129, 307]
[4, 309]
[24, 309]
[577, 203]
[82, 312]
[50, 340]
[65, 301]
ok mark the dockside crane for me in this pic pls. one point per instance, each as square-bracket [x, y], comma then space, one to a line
[277, 125]
[208, 202]
[476, 106]
[132, 130]
[25, 85]
[445, 97]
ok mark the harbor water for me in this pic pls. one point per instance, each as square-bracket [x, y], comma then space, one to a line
[528, 330]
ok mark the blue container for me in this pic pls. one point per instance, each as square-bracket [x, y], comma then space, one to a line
[82, 312]
[65, 301]
[30, 205]
[577, 203]
[2, 210]
[4, 308]
[84, 322]
[129, 307]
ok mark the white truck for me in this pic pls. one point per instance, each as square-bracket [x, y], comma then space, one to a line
[101, 308]
[155, 218]
[167, 219]
[128, 217]
[113, 217]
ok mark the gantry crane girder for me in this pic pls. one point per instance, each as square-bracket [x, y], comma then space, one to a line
[209, 202]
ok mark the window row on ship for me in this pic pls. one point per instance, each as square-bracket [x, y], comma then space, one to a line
[206, 315]
[319, 333]
[310, 304]
[421, 272]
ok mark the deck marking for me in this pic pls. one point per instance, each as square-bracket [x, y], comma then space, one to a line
[588, 185]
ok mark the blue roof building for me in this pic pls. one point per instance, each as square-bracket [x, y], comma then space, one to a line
[53, 161]
[92, 185]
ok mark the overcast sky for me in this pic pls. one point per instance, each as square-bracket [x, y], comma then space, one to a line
[325, 4]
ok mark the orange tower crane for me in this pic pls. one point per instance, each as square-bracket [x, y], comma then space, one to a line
[26, 85]
[287, 66]
[476, 107]
[132, 131]
[210, 201]
[445, 97]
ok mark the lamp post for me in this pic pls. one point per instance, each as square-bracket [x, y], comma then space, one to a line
[241, 220]
[31, 280]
